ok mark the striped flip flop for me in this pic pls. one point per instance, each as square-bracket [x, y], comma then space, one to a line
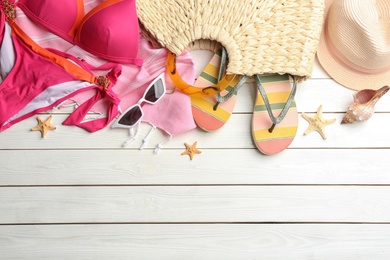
[212, 112]
[275, 116]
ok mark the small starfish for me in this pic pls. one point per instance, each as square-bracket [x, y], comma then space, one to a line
[191, 150]
[317, 123]
[44, 125]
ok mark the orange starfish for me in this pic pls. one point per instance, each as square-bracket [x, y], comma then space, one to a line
[191, 150]
[44, 125]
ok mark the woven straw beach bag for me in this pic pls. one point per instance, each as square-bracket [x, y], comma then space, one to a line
[260, 36]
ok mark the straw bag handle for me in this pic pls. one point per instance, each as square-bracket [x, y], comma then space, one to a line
[193, 90]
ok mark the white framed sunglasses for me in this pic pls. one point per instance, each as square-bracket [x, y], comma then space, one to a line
[133, 115]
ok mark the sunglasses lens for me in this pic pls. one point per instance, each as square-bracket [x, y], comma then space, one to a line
[155, 92]
[131, 117]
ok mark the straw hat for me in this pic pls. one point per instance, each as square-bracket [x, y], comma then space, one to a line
[355, 43]
[260, 36]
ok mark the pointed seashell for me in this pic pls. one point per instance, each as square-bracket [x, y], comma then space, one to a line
[363, 106]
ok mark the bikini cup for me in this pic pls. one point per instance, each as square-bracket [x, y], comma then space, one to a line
[109, 31]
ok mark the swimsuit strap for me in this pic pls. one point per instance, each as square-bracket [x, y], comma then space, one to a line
[82, 63]
[103, 85]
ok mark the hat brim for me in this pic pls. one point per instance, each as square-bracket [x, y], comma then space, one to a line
[340, 72]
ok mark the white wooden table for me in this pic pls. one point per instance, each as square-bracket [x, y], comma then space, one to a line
[75, 195]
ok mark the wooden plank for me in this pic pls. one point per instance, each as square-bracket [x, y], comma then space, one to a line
[195, 242]
[172, 204]
[310, 95]
[240, 166]
[235, 134]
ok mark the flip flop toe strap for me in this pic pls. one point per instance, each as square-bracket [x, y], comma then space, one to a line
[287, 105]
[222, 64]
[232, 91]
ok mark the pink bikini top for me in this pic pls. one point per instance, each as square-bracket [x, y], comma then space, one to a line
[109, 31]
